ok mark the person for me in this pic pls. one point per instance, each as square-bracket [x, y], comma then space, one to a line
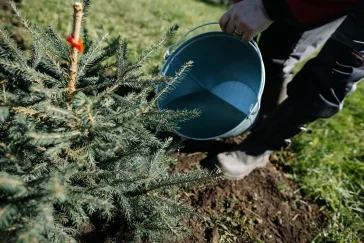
[289, 32]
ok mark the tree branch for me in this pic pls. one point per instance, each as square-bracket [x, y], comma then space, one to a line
[3, 89]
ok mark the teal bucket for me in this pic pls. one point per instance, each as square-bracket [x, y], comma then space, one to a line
[225, 83]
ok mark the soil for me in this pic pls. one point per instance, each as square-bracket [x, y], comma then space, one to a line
[266, 206]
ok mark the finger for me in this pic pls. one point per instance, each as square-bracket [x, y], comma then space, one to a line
[230, 28]
[238, 31]
[247, 36]
[238, 34]
[224, 21]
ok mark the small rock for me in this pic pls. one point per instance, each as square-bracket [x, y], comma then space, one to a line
[213, 235]
[259, 220]
[273, 158]
[278, 221]
[87, 228]
[219, 190]
[285, 207]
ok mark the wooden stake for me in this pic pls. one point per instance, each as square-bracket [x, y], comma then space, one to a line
[77, 19]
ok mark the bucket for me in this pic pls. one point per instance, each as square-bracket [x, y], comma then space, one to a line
[225, 83]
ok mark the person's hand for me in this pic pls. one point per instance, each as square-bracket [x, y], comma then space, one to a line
[245, 19]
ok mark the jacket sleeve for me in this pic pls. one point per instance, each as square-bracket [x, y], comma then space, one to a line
[304, 11]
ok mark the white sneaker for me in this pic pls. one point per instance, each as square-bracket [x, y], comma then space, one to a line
[238, 164]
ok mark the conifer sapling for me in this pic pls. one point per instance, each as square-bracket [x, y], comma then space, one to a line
[73, 146]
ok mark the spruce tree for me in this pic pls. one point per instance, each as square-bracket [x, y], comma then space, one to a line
[74, 144]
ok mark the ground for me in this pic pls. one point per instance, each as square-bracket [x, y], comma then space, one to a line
[266, 206]
[326, 167]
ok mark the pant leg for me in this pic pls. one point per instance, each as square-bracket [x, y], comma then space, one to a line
[282, 47]
[322, 85]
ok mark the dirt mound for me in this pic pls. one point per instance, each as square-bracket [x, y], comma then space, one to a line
[265, 206]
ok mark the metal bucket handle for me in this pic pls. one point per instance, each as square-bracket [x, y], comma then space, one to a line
[167, 53]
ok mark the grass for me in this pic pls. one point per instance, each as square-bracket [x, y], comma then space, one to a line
[329, 167]
[328, 164]
[140, 23]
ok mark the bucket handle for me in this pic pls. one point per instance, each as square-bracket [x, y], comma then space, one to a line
[167, 53]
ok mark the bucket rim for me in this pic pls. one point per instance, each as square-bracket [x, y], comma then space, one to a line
[255, 108]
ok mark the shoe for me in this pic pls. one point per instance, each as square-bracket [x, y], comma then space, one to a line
[242, 160]
[273, 134]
